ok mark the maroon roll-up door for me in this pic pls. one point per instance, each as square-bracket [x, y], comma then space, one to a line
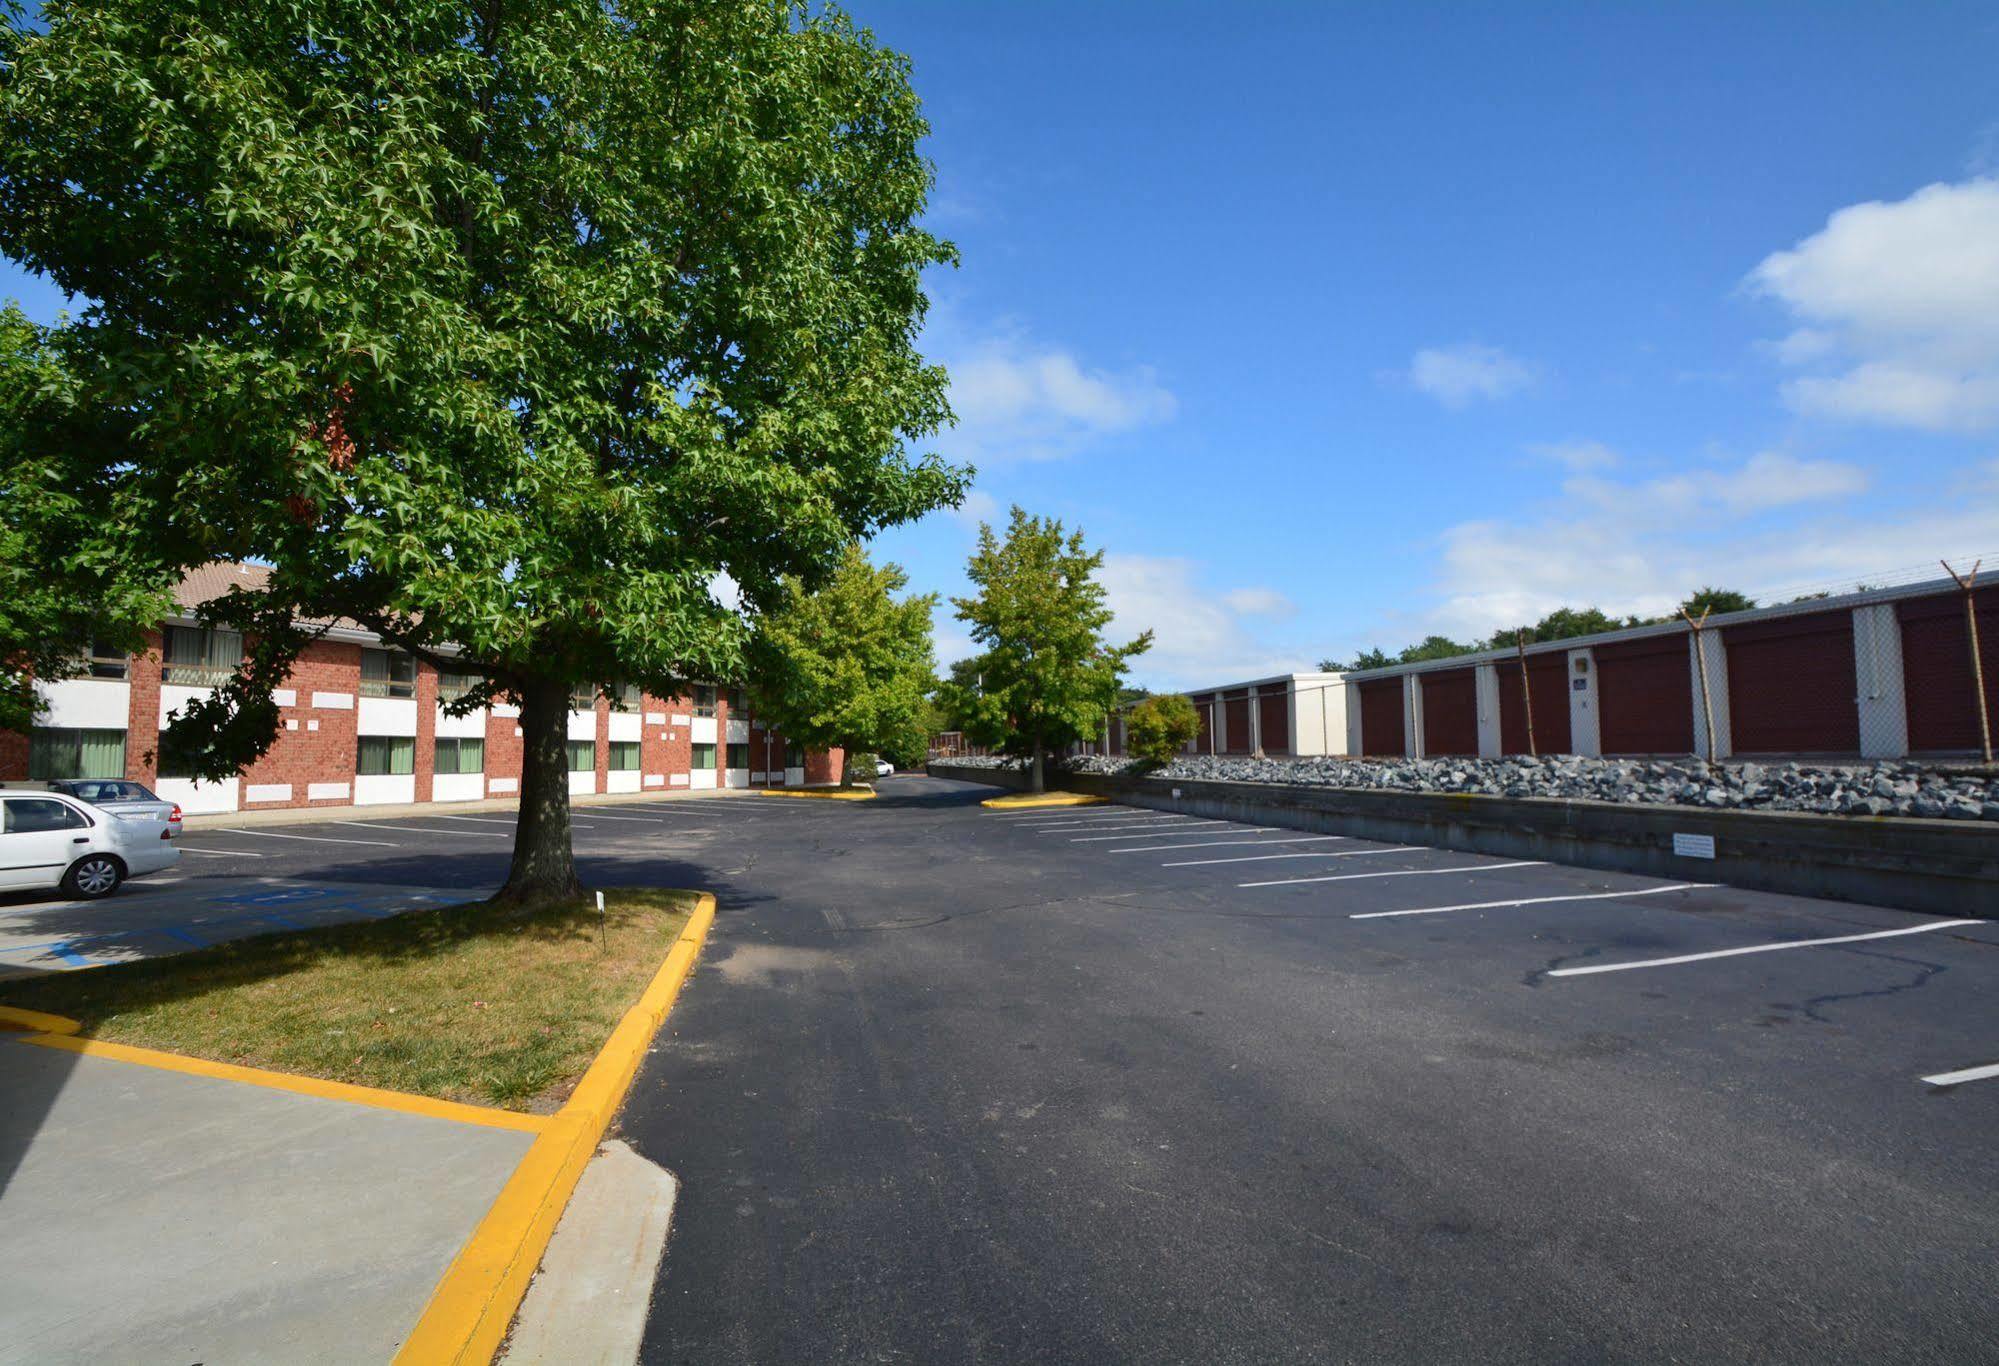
[1936, 669]
[1548, 679]
[1273, 714]
[1791, 685]
[1645, 696]
[1450, 712]
[1381, 717]
[1235, 723]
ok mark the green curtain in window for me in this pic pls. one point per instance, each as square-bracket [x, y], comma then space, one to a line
[624, 755]
[103, 753]
[582, 756]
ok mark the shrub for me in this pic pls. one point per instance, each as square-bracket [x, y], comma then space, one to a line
[1159, 727]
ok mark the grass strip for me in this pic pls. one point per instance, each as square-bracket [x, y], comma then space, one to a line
[492, 1005]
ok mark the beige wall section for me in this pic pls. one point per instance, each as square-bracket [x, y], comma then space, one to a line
[1716, 657]
[1877, 673]
[1485, 681]
[1584, 737]
[1318, 716]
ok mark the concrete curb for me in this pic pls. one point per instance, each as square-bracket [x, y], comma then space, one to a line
[347, 811]
[1943, 867]
[1028, 801]
[37, 1021]
[472, 1306]
[824, 794]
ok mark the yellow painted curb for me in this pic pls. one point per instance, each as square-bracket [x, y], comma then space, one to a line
[36, 1021]
[286, 1081]
[824, 794]
[1027, 801]
[471, 1308]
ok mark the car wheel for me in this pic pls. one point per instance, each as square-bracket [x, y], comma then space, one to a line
[94, 876]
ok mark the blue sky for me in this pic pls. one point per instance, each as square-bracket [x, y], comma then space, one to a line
[1336, 325]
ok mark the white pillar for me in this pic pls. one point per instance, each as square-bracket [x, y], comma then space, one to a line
[1877, 673]
[1255, 722]
[1717, 692]
[1584, 738]
[1486, 685]
[1350, 698]
[1412, 715]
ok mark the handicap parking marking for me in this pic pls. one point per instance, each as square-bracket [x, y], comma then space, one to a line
[1963, 1075]
[1532, 901]
[1396, 872]
[309, 839]
[1821, 942]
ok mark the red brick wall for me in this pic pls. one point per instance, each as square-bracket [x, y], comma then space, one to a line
[13, 756]
[666, 748]
[603, 710]
[426, 729]
[825, 765]
[303, 754]
[503, 750]
[142, 725]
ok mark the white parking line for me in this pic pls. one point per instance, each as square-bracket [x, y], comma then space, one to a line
[1759, 948]
[1532, 901]
[1967, 1074]
[309, 839]
[1075, 821]
[1397, 872]
[477, 820]
[600, 816]
[1154, 824]
[1098, 839]
[428, 830]
[217, 853]
[1216, 844]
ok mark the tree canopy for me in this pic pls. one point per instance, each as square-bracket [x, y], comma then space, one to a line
[495, 328]
[847, 665]
[1049, 677]
[1157, 728]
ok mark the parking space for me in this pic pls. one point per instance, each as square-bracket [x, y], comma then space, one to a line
[1504, 906]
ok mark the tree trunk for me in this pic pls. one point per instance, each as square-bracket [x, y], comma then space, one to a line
[544, 866]
[1038, 782]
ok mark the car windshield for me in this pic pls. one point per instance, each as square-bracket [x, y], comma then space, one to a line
[109, 792]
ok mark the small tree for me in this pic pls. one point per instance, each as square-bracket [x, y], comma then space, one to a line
[1716, 601]
[1160, 727]
[1048, 676]
[848, 665]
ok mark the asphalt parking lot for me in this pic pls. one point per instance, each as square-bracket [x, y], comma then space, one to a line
[954, 1085]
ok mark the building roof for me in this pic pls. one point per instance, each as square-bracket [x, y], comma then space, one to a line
[207, 582]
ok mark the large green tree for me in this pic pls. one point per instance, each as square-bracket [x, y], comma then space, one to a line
[68, 574]
[1048, 678]
[849, 664]
[497, 326]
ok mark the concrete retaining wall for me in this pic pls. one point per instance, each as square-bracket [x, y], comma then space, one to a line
[1943, 867]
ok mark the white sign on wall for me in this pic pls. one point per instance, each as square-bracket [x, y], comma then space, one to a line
[1693, 846]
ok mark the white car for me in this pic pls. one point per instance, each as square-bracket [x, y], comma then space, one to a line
[884, 769]
[49, 840]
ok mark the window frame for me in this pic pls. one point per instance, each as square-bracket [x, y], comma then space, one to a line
[361, 748]
[458, 744]
[700, 707]
[628, 749]
[104, 660]
[42, 738]
[213, 646]
[585, 747]
[731, 750]
[695, 751]
[388, 685]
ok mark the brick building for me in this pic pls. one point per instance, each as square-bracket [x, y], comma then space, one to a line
[362, 724]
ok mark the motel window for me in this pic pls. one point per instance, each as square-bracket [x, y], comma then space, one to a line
[704, 758]
[582, 756]
[387, 673]
[384, 756]
[452, 685]
[739, 703]
[625, 756]
[61, 752]
[583, 697]
[105, 660]
[739, 756]
[461, 754]
[625, 697]
[201, 656]
[704, 699]
[794, 756]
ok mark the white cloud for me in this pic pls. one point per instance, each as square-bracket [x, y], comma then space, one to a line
[1200, 635]
[1258, 602]
[979, 506]
[1898, 305]
[1770, 523]
[1578, 456]
[1457, 375]
[1016, 400]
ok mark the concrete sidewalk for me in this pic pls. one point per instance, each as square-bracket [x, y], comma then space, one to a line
[347, 811]
[154, 1215]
